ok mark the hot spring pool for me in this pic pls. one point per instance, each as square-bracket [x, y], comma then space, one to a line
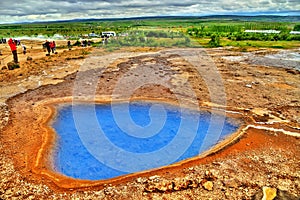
[102, 141]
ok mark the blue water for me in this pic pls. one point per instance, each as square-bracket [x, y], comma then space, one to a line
[102, 141]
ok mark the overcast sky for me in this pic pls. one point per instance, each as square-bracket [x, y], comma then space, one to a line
[40, 10]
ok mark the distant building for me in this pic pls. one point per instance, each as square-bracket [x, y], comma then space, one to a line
[295, 32]
[262, 31]
[109, 33]
[93, 35]
[58, 36]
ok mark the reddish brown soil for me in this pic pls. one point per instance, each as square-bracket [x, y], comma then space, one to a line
[257, 158]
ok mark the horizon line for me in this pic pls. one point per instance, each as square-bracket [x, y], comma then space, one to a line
[242, 14]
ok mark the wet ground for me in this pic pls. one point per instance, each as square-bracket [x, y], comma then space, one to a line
[289, 59]
[266, 97]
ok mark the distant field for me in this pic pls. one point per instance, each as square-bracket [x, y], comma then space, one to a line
[249, 43]
[185, 31]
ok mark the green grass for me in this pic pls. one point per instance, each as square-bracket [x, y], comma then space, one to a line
[262, 44]
[77, 28]
[136, 41]
[250, 44]
[168, 32]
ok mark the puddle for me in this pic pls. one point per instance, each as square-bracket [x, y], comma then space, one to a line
[156, 135]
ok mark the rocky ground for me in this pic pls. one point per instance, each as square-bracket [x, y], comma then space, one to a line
[265, 159]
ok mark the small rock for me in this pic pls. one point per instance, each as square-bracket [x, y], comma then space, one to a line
[291, 71]
[191, 169]
[209, 176]
[194, 184]
[249, 86]
[29, 58]
[231, 183]
[208, 185]
[185, 183]
[247, 110]
[150, 188]
[145, 193]
[269, 193]
[165, 186]
[13, 65]
[139, 180]
[177, 184]
[155, 177]
[216, 163]
[8, 192]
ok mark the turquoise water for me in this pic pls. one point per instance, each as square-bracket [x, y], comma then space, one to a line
[97, 142]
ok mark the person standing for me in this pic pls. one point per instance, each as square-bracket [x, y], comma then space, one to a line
[69, 44]
[13, 47]
[47, 45]
[24, 49]
[52, 46]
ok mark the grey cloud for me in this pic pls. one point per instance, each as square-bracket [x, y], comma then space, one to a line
[264, 2]
[30, 9]
[279, 1]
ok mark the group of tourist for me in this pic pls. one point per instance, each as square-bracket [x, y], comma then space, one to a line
[2, 41]
[50, 46]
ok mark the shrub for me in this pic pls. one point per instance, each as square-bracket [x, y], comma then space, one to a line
[297, 27]
[214, 41]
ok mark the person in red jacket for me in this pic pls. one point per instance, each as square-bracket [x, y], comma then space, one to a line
[52, 46]
[13, 47]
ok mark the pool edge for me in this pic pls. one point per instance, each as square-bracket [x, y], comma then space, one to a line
[43, 164]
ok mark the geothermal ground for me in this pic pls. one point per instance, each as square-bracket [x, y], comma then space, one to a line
[262, 158]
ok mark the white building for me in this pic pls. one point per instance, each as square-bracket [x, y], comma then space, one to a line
[295, 32]
[262, 31]
[93, 35]
[109, 33]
